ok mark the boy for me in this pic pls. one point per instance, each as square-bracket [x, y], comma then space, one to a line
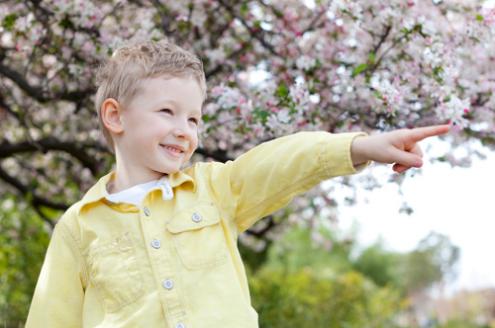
[154, 245]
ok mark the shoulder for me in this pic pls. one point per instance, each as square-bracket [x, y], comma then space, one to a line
[201, 170]
[70, 214]
[68, 224]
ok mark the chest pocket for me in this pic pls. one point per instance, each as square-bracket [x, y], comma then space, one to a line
[114, 270]
[198, 237]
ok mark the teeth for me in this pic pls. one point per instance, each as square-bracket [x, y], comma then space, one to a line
[173, 149]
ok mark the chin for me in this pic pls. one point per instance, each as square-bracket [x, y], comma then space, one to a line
[169, 170]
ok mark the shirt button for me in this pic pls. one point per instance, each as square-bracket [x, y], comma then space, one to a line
[168, 284]
[180, 325]
[146, 211]
[196, 217]
[155, 243]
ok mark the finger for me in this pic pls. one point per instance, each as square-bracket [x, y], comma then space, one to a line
[418, 134]
[407, 159]
[417, 150]
[400, 168]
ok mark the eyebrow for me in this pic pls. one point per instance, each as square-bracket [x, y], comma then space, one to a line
[166, 100]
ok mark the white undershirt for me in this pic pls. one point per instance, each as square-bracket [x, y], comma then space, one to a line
[135, 194]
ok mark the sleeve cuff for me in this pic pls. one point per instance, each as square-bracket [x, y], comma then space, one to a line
[336, 157]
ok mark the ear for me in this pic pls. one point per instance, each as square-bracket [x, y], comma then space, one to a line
[111, 115]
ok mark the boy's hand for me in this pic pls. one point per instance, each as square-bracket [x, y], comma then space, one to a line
[399, 147]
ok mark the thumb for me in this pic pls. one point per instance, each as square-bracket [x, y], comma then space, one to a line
[407, 159]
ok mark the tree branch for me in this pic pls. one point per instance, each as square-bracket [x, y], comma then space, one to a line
[270, 224]
[36, 200]
[76, 150]
[37, 92]
[218, 155]
[222, 67]
[7, 109]
[311, 26]
[258, 34]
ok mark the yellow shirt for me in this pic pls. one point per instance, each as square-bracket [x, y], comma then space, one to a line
[175, 263]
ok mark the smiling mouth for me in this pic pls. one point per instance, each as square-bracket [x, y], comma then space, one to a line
[172, 149]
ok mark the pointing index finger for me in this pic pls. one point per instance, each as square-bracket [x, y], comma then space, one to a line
[429, 131]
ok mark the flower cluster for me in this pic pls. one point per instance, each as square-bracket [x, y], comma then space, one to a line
[273, 67]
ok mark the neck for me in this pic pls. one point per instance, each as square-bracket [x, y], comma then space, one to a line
[128, 175]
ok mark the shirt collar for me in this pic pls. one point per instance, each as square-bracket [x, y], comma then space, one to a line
[98, 191]
[178, 178]
[135, 194]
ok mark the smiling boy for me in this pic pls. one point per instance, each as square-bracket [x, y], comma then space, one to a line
[158, 131]
[154, 243]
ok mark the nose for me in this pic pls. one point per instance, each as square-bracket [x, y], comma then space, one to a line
[181, 130]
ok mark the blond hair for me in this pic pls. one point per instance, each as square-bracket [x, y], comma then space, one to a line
[119, 77]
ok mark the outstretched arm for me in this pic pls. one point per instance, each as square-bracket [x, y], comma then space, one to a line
[269, 176]
[399, 147]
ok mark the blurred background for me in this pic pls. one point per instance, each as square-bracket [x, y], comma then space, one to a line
[374, 249]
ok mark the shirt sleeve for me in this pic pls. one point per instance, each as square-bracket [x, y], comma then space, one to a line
[269, 176]
[59, 293]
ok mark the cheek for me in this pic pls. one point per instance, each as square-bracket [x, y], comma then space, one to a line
[195, 142]
[146, 141]
[193, 145]
[156, 129]
[149, 134]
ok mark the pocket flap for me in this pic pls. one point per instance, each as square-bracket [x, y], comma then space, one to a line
[194, 218]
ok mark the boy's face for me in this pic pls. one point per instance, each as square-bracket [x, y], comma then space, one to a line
[160, 125]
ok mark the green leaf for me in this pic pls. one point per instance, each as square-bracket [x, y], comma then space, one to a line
[184, 26]
[206, 118]
[9, 21]
[436, 74]
[29, 197]
[480, 18]
[282, 91]
[418, 28]
[260, 114]
[49, 212]
[257, 24]
[244, 9]
[371, 58]
[359, 69]
[378, 94]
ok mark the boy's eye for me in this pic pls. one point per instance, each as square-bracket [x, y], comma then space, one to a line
[194, 120]
[166, 110]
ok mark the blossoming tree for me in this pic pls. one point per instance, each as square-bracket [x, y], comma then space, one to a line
[273, 68]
